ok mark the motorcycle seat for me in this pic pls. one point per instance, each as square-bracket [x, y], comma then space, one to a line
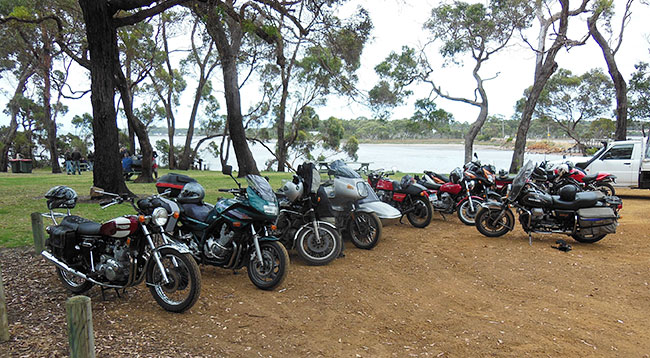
[431, 186]
[197, 211]
[589, 178]
[81, 226]
[585, 199]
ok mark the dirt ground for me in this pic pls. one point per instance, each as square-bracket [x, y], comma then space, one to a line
[443, 291]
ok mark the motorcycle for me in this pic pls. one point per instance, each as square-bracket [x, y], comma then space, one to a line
[567, 173]
[454, 196]
[410, 198]
[121, 252]
[317, 242]
[349, 202]
[586, 216]
[233, 233]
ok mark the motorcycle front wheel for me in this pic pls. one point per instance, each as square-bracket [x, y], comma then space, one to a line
[421, 213]
[489, 224]
[270, 273]
[321, 250]
[365, 230]
[184, 286]
[73, 283]
[467, 211]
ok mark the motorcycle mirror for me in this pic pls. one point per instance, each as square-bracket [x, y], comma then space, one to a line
[227, 169]
[475, 155]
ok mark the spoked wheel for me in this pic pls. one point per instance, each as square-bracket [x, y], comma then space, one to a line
[184, 286]
[606, 188]
[272, 271]
[73, 283]
[587, 239]
[421, 214]
[319, 250]
[467, 211]
[365, 230]
[490, 224]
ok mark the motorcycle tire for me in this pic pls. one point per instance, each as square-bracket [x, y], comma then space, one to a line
[465, 212]
[319, 253]
[269, 274]
[421, 214]
[606, 188]
[184, 286]
[365, 230]
[72, 283]
[587, 240]
[486, 225]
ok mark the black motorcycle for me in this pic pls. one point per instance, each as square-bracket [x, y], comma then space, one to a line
[233, 233]
[122, 252]
[317, 242]
[586, 216]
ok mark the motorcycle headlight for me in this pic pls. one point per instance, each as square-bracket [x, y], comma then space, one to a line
[159, 216]
[362, 189]
[271, 209]
[471, 184]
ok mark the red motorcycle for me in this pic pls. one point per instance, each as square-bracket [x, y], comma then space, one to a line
[454, 195]
[594, 182]
[410, 198]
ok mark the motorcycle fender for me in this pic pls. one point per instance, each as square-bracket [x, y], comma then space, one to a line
[474, 197]
[268, 238]
[180, 247]
[383, 210]
[309, 226]
[494, 205]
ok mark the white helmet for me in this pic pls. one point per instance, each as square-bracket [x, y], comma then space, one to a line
[562, 169]
[292, 190]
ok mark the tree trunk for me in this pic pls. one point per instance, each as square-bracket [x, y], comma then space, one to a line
[102, 45]
[25, 73]
[281, 151]
[619, 82]
[187, 158]
[50, 123]
[171, 129]
[474, 129]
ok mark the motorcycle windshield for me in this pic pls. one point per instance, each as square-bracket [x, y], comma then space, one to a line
[340, 169]
[261, 187]
[520, 180]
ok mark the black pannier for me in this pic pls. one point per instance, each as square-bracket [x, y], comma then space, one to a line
[62, 238]
[597, 221]
[174, 182]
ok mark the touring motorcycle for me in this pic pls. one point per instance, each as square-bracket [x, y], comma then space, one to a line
[586, 216]
[233, 233]
[410, 198]
[349, 201]
[317, 242]
[122, 252]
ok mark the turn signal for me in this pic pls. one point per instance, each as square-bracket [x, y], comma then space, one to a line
[176, 215]
[141, 218]
[318, 200]
[236, 224]
[274, 227]
[128, 241]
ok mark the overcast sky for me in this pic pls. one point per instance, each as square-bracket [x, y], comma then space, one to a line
[398, 23]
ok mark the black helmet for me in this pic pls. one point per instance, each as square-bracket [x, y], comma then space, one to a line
[61, 196]
[568, 192]
[406, 181]
[456, 175]
[192, 193]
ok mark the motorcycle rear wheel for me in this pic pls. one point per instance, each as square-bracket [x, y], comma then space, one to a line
[73, 283]
[421, 214]
[487, 225]
[365, 230]
[269, 274]
[184, 286]
[606, 188]
[466, 213]
[319, 253]
[587, 240]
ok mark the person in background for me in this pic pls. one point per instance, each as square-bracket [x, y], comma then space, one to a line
[154, 164]
[91, 160]
[76, 158]
[68, 162]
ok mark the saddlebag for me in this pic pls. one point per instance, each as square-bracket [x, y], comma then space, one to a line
[62, 239]
[597, 221]
[174, 182]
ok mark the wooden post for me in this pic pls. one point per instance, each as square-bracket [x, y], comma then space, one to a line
[39, 233]
[4, 322]
[80, 327]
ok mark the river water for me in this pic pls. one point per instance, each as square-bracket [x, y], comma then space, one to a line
[412, 158]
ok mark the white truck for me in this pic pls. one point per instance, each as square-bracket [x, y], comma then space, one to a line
[629, 160]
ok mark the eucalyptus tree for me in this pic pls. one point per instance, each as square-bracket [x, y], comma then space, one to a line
[639, 92]
[545, 64]
[602, 12]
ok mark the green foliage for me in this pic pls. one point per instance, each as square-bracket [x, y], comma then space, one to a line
[639, 92]
[401, 70]
[332, 133]
[435, 118]
[351, 147]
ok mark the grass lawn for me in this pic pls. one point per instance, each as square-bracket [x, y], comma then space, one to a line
[22, 194]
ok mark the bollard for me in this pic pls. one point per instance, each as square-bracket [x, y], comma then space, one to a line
[39, 233]
[4, 322]
[80, 327]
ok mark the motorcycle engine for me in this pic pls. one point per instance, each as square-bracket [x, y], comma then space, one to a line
[115, 268]
[444, 203]
[384, 196]
[220, 248]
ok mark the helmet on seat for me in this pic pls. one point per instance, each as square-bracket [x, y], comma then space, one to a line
[292, 190]
[568, 192]
[192, 193]
[562, 169]
[61, 196]
[406, 181]
[456, 175]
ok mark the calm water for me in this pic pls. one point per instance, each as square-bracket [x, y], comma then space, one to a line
[404, 157]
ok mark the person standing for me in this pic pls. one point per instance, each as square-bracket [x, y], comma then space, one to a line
[68, 161]
[76, 158]
[154, 164]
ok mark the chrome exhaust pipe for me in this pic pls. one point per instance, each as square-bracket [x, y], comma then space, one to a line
[65, 267]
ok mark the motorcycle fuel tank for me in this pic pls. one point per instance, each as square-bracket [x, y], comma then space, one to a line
[451, 188]
[537, 200]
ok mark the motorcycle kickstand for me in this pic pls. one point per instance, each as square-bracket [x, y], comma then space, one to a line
[530, 239]
[117, 292]
[443, 216]
[400, 219]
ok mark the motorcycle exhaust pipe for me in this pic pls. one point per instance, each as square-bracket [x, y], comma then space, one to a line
[65, 267]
